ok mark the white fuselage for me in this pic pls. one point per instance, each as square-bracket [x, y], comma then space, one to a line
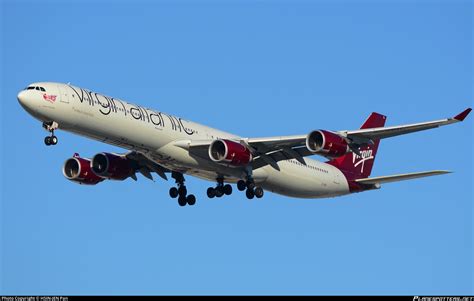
[159, 136]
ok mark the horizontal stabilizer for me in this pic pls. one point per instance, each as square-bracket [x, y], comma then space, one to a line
[402, 177]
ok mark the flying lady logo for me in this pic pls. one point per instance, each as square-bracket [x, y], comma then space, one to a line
[358, 160]
[50, 98]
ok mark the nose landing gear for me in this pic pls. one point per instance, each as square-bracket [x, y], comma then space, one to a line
[51, 140]
[181, 192]
[50, 127]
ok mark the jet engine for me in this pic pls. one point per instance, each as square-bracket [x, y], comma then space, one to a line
[111, 166]
[78, 170]
[229, 153]
[326, 143]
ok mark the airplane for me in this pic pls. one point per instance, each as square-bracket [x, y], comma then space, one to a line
[166, 144]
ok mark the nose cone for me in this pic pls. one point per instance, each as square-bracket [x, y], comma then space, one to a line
[22, 97]
[26, 101]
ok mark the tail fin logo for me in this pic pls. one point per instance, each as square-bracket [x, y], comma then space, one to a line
[360, 160]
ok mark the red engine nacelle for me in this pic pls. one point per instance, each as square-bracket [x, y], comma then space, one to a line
[79, 170]
[229, 153]
[326, 143]
[111, 166]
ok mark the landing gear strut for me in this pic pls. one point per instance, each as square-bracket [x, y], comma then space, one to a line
[219, 190]
[251, 190]
[181, 192]
[50, 127]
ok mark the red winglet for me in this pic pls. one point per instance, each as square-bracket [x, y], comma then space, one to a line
[463, 114]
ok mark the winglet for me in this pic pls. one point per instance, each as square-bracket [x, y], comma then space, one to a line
[463, 114]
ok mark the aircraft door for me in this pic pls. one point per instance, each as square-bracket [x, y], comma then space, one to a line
[64, 94]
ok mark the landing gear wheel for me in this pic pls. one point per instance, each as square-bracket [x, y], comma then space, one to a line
[50, 127]
[191, 199]
[250, 194]
[182, 191]
[227, 189]
[241, 185]
[219, 192]
[250, 185]
[258, 192]
[174, 192]
[182, 201]
[211, 192]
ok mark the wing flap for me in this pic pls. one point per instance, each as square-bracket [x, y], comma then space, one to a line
[280, 155]
[145, 165]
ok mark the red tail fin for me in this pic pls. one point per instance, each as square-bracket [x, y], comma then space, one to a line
[354, 166]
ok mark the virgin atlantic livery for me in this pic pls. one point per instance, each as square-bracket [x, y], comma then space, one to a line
[165, 144]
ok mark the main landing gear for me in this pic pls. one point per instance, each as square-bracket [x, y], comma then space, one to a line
[251, 190]
[219, 190]
[50, 127]
[181, 192]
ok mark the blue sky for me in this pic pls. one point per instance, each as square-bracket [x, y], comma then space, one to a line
[256, 69]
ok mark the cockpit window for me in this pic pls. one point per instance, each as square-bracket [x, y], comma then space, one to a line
[35, 88]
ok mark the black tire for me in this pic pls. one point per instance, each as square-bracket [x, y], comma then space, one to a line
[182, 201]
[191, 199]
[219, 192]
[250, 185]
[241, 185]
[54, 140]
[174, 192]
[249, 193]
[227, 189]
[211, 192]
[182, 191]
[258, 192]
[47, 140]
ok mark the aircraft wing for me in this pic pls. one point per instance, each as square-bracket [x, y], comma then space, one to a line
[401, 177]
[264, 150]
[145, 166]
[391, 131]
[273, 149]
[270, 150]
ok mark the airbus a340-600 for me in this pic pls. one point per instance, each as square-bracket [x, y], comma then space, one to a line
[165, 144]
